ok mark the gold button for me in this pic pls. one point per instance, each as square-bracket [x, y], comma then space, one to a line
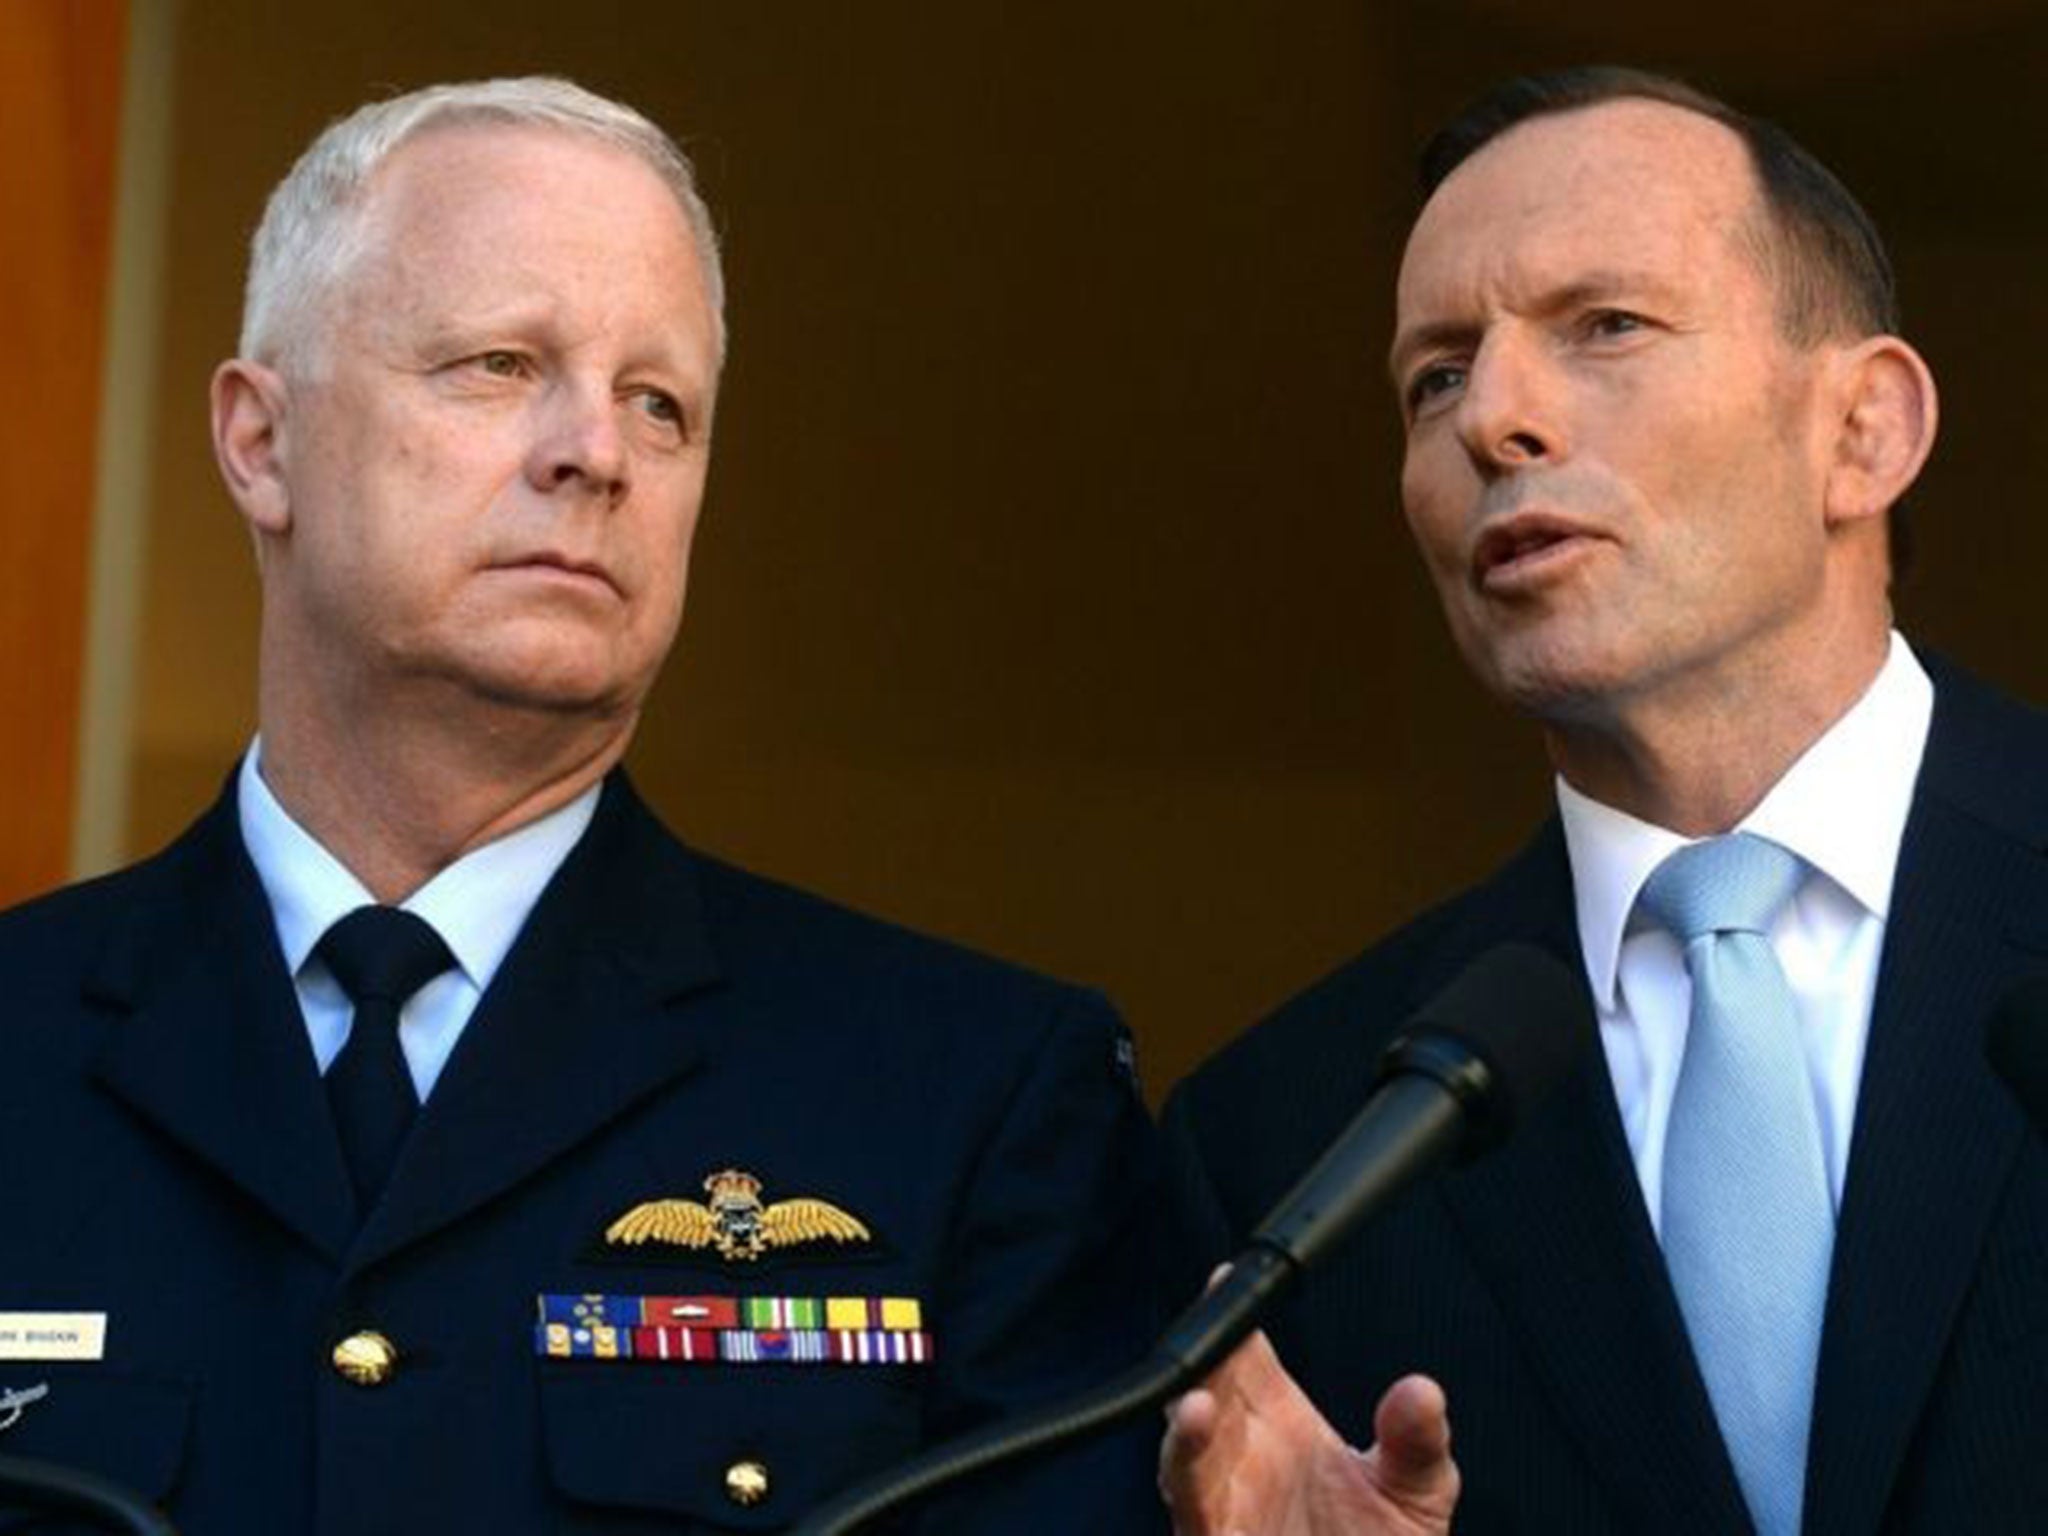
[746, 1482]
[366, 1358]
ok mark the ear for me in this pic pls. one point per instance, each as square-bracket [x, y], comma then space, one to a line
[1885, 423]
[249, 410]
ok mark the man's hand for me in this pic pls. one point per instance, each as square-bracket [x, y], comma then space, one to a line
[1247, 1454]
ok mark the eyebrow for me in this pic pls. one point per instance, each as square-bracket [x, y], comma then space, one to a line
[1432, 337]
[519, 319]
[471, 327]
[1589, 290]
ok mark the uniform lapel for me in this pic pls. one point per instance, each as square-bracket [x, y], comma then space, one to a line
[576, 1027]
[1556, 1223]
[204, 1037]
[1935, 1134]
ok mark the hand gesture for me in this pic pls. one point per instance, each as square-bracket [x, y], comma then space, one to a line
[1247, 1454]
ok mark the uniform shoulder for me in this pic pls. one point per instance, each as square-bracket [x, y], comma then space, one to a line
[827, 973]
[72, 917]
[56, 951]
[171, 880]
[757, 922]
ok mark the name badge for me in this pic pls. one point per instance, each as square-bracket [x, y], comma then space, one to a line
[53, 1335]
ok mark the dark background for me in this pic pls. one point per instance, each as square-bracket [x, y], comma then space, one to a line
[1053, 592]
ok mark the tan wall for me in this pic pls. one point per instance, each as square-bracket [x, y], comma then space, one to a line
[1054, 593]
[59, 106]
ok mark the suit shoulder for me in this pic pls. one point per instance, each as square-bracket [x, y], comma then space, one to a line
[1351, 1010]
[1312, 1061]
[1246, 1123]
[1986, 751]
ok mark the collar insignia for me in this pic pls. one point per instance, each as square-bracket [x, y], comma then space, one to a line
[736, 1223]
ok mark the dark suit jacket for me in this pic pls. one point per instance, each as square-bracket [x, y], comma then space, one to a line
[1532, 1286]
[168, 1160]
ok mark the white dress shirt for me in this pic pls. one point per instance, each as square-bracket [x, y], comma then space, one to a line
[478, 904]
[1842, 808]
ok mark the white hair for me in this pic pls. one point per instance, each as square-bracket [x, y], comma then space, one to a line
[312, 229]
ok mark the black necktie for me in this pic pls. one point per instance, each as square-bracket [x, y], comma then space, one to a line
[381, 956]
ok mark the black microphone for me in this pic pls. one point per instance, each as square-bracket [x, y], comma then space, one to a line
[1465, 1071]
[1465, 1067]
[2016, 1043]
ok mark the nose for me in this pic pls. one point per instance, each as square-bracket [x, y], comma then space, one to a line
[579, 444]
[1508, 416]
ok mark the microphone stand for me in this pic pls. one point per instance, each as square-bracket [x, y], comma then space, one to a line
[1489, 1045]
[1427, 1119]
[44, 1486]
[1202, 1336]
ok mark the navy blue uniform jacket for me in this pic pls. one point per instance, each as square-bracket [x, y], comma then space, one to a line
[169, 1160]
[1531, 1284]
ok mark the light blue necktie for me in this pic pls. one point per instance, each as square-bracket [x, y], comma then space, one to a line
[1748, 1224]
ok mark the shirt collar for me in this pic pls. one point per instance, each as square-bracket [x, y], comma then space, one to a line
[478, 904]
[1841, 807]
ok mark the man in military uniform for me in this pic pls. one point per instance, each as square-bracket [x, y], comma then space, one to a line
[427, 1141]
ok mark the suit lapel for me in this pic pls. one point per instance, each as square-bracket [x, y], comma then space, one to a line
[1934, 1132]
[575, 1028]
[205, 1039]
[1556, 1224]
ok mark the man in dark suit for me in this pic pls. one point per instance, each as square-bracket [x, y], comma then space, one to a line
[427, 1141]
[1772, 1260]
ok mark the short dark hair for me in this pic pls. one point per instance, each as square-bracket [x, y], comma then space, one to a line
[1821, 250]
[1833, 275]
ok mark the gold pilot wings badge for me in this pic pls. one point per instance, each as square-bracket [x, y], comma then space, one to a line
[736, 1223]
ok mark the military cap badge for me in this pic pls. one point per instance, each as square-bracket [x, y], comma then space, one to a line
[736, 1223]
